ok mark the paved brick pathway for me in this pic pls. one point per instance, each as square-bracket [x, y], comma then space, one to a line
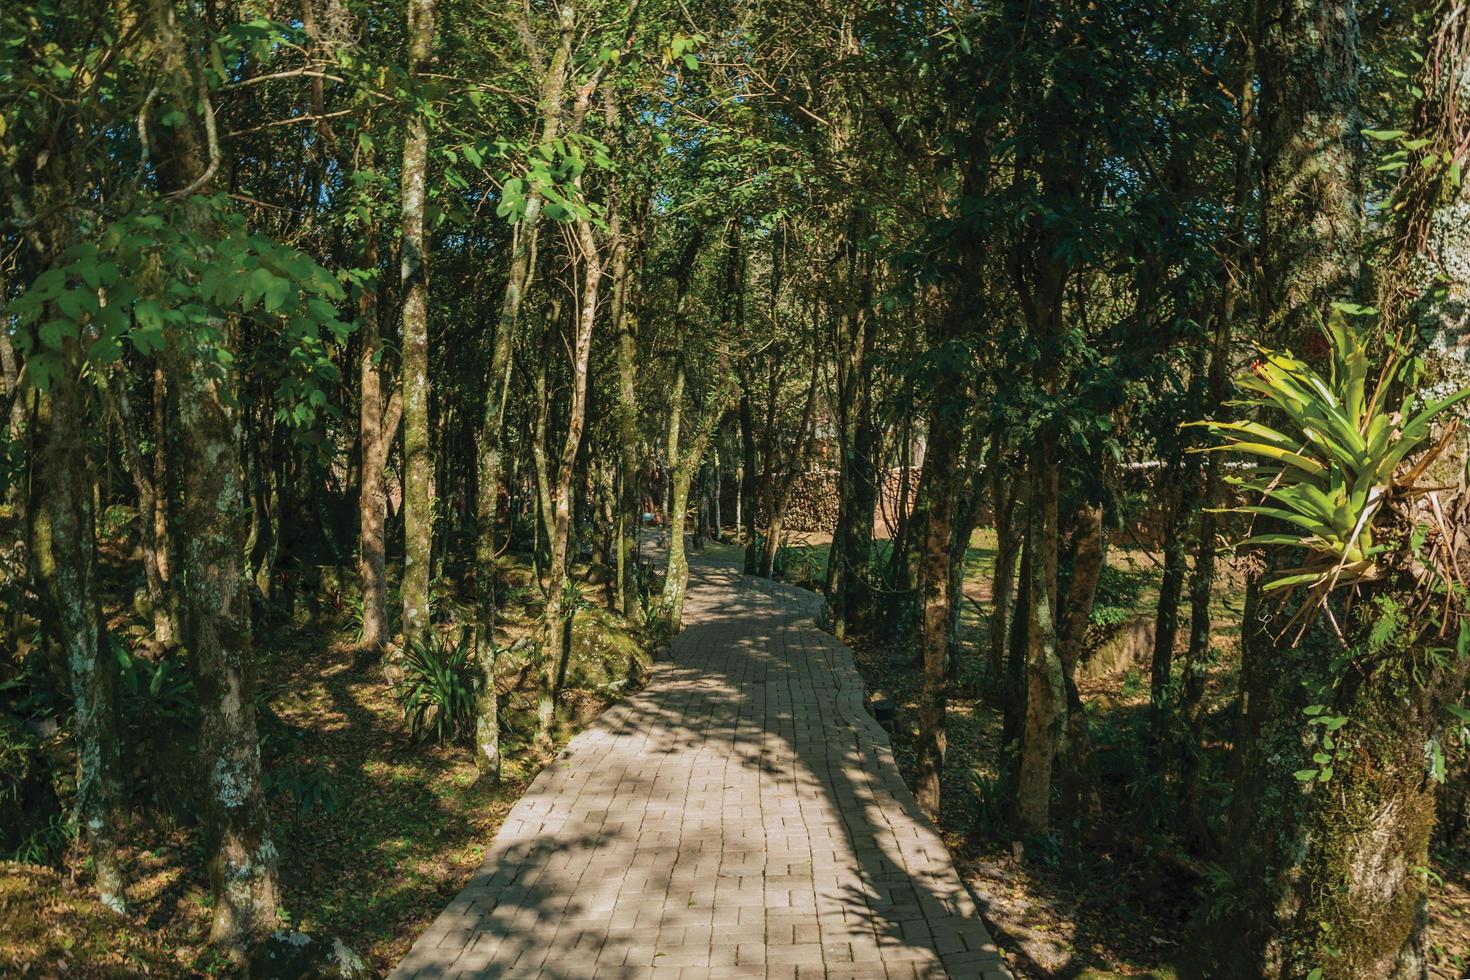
[742, 816]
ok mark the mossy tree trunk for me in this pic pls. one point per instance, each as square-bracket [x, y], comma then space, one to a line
[212, 531]
[217, 634]
[377, 419]
[1363, 904]
[418, 445]
[490, 461]
[685, 462]
[1312, 229]
[91, 666]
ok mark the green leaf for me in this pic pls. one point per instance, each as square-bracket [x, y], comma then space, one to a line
[1305, 775]
[277, 293]
[54, 333]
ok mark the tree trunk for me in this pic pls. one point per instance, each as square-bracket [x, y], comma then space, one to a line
[558, 621]
[214, 599]
[418, 450]
[1087, 565]
[160, 597]
[747, 480]
[676, 579]
[1202, 577]
[676, 574]
[942, 462]
[941, 473]
[1171, 587]
[625, 320]
[1007, 546]
[1361, 905]
[1013, 701]
[1045, 687]
[1312, 215]
[160, 474]
[91, 665]
[217, 634]
[376, 424]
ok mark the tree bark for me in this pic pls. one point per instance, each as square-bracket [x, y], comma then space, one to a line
[1217, 385]
[748, 480]
[418, 448]
[555, 647]
[1045, 687]
[1312, 216]
[686, 463]
[1087, 564]
[160, 598]
[625, 320]
[1171, 589]
[942, 461]
[1007, 547]
[947, 410]
[217, 633]
[91, 665]
[214, 600]
[377, 422]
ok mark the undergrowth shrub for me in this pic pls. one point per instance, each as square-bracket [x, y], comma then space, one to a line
[440, 682]
[655, 628]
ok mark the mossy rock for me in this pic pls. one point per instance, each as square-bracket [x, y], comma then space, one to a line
[605, 653]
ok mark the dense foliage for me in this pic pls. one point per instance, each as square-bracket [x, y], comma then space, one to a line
[334, 311]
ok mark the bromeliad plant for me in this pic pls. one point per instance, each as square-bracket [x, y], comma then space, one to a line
[440, 682]
[1340, 460]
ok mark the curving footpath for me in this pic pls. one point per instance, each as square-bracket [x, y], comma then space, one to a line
[741, 816]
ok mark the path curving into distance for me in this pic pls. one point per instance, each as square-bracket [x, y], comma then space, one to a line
[742, 816]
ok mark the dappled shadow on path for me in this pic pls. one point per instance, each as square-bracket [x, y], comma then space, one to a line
[741, 816]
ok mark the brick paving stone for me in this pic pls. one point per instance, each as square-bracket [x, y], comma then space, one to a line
[741, 816]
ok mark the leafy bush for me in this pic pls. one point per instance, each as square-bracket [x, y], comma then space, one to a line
[393, 606]
[32, 825]
[309, 788]
[655, 629]
[1118, 593]
[155, 690]
[792, 562]
[512, 595]
[438, 690]
[1116, 604]
[43, 844]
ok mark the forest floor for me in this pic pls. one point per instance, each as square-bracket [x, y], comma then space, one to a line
[1121, 904]
[376, 831]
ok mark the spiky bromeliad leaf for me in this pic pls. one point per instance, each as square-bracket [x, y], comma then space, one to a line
[1330, 461]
